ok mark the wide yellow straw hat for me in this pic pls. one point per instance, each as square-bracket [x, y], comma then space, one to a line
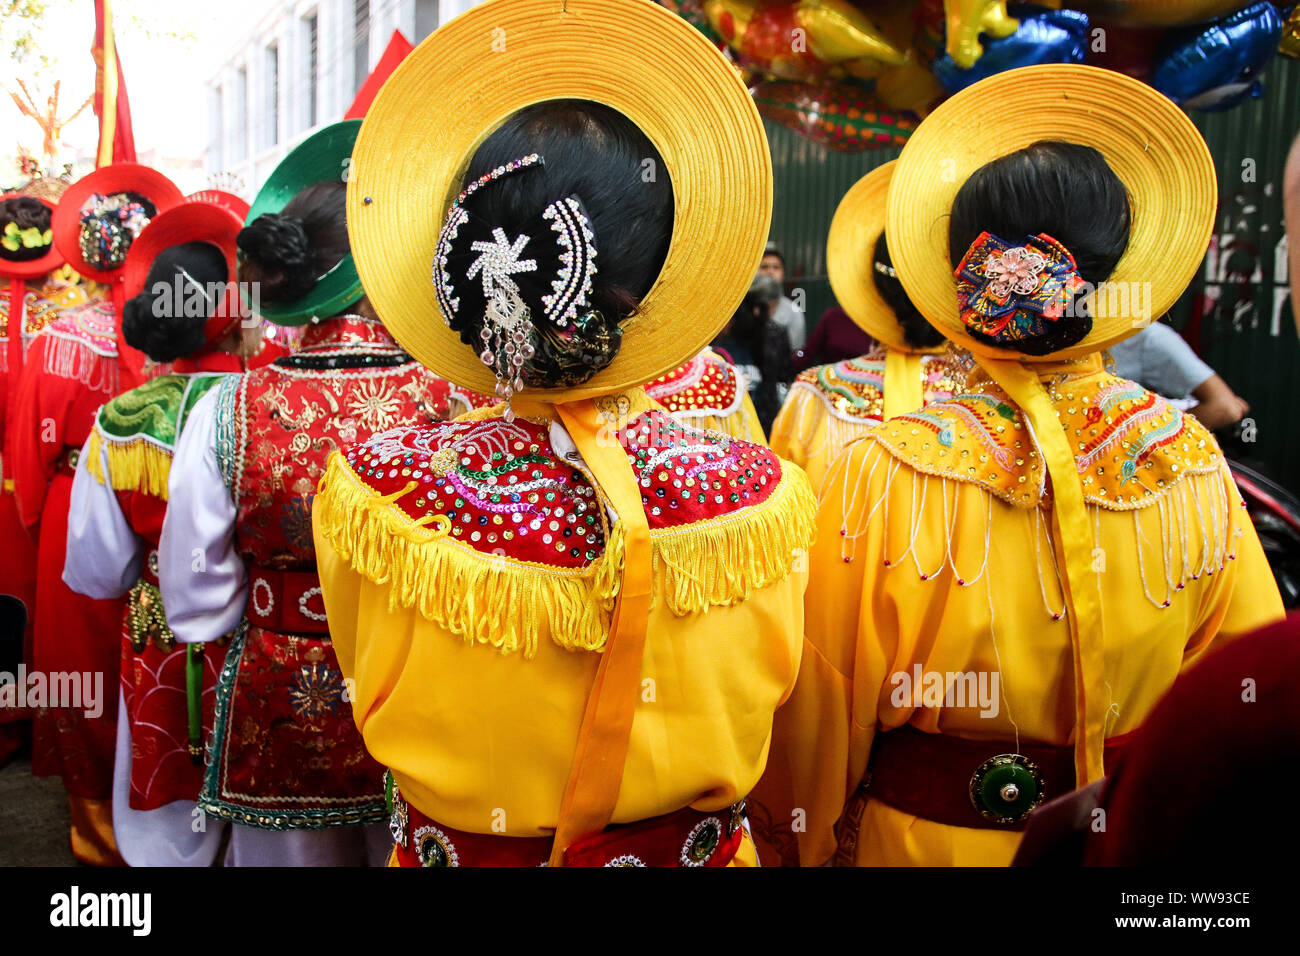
[1149, 142]
[471, 75]
[850, 245]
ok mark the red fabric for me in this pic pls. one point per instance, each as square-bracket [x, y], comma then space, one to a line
[659, 842]
[396, 51]
[123, 136]
[286, 601]
[154, 694]
[290, 743]
[705, 382]
[1207, 779]
[465, 471]
[18, 578]
[53, 414]
[73, 634]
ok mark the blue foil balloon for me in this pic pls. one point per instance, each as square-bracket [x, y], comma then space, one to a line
[1214, 67]
[1044, 36]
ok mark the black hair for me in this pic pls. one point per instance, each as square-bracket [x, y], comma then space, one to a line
[161, 321]
[596, 154]
[772, 249]
[25, 212]
[1062, 189]
[917, 332]
[289, 251]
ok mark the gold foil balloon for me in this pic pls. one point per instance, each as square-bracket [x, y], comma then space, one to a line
[1158, 13]
[1289, 45]
[802, 39]
[967, 19]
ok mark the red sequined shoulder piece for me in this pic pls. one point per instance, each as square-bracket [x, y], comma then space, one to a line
[501, 486]
[705, 384]
[689, 475]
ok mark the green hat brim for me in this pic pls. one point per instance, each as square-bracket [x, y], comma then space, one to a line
[322, 156]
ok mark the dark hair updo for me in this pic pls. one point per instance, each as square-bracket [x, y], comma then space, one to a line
[597, 155]
[24, 228]
[166, 320]
[288, 252]
[1062, 189]
[917, 333]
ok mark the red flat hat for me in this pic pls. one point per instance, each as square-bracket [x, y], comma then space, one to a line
[107, 180]
[31, 268]
[190, 221]
[220, 197]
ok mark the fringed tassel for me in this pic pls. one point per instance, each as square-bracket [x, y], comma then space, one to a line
[133, 466]
[481, 598]
[507, 604]
[724, 561]
[68, 358]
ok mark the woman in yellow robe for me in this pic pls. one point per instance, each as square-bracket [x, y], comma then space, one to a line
[567, 611]
[831, 406]
[1005, 584]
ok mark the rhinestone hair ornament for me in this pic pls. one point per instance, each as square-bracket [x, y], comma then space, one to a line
[1011, 291]
[508, 329]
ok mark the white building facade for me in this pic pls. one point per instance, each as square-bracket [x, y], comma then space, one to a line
[299, 69]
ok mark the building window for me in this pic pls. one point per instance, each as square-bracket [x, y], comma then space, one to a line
[239, 113]
[216, 158]
[361, 44]
[311, 60]
[271, 108]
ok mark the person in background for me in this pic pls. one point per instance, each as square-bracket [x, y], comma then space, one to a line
[784, 312]
[1160, 359]
[286, 764]
[836, 337]
[939, 551]
[759, 348]
[119, 498]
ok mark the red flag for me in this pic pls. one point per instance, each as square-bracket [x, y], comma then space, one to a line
[116, 139]
[395, 53]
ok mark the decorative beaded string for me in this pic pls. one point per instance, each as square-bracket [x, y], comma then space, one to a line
[523, 162]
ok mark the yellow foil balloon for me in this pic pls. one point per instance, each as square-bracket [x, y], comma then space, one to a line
[838, 32]
[1158, 13]
[1289, 45]
[909, 87]
[967, 19]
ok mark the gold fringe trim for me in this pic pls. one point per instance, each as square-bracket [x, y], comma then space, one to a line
[137, 465]
[507, 604]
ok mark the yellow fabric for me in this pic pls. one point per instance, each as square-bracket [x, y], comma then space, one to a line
[903, 387]
[484, 742]
[805, 432]
[913, 569]
[1082, 585]
[597, 773]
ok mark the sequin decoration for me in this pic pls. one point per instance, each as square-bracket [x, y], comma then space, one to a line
[1131, 446]
[572, 284]
[1011, 291]
[706, 384]
[505, 491]
[109, 224]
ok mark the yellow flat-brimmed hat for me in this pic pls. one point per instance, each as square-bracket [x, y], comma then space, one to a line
[471, 75]
[1149, 142]
[850, 247]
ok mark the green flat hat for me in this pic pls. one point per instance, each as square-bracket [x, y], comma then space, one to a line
[324, 155]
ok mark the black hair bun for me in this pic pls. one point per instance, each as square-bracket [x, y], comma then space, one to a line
[917, 332]
[277, 245]
[167, 320]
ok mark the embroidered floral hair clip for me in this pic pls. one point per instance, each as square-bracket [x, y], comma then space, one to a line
[1008, 292]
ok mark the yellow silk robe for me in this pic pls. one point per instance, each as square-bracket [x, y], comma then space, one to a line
[831, 406]
[935, 548]
[470, 669]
